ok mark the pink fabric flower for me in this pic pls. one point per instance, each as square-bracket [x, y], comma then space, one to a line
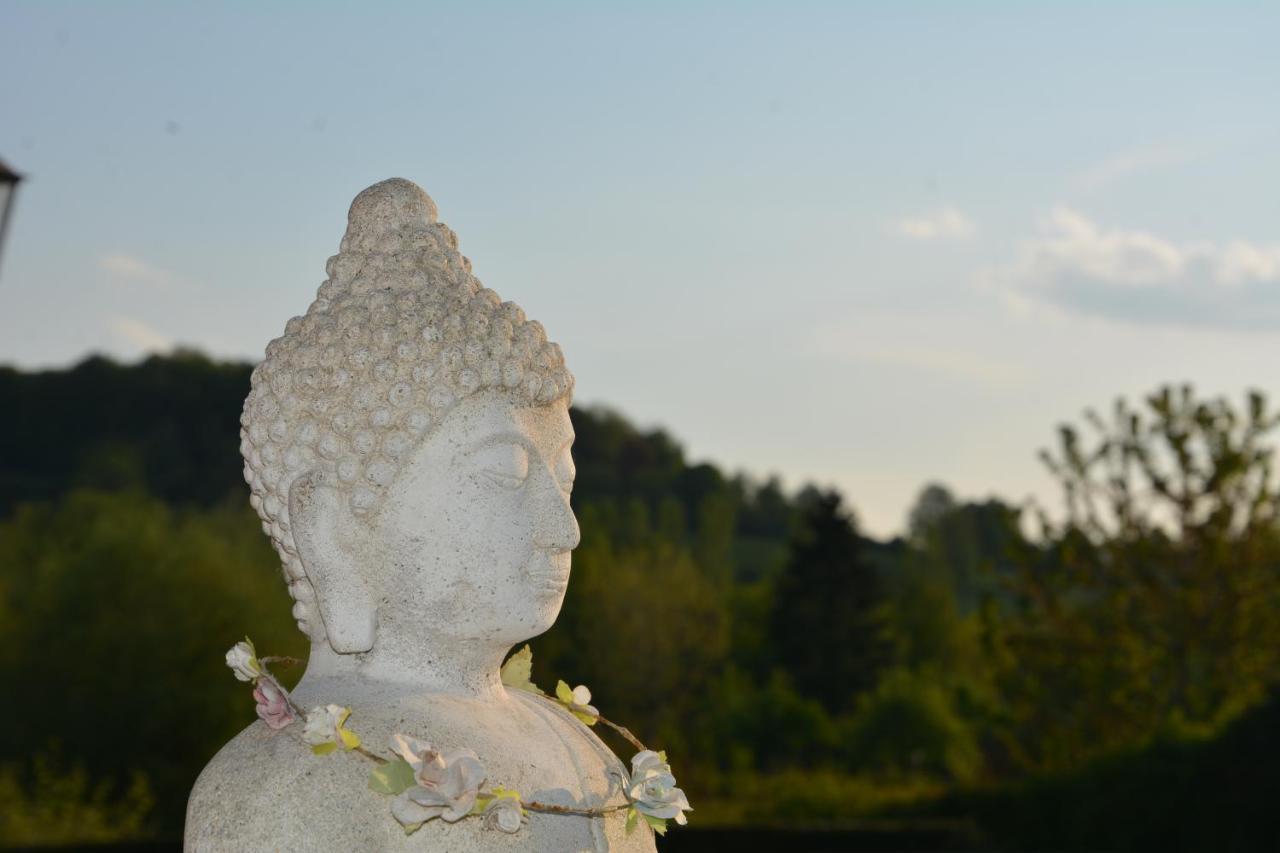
[448, 783]
[273, 703]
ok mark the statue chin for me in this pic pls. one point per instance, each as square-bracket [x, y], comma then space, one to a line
[408, 446]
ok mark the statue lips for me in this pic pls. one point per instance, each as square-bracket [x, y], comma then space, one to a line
[548, 571]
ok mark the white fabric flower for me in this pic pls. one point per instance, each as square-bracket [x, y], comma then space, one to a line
[325, 732]
[653, 790]
[578, 701]
[505, 813]
[447, 783]
[243, 660]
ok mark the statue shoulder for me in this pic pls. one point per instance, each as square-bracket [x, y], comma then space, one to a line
[266, 790]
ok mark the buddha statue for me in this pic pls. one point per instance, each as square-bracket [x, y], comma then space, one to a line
[407, 444]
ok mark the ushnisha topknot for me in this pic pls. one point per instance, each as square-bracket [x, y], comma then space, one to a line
[399, 332]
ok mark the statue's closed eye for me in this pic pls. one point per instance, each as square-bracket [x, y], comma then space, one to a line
[565, 471]
[506, 465]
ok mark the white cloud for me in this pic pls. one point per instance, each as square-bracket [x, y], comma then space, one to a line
[928, 343]
[139, 335]
[1134, 161]
[946, 223]
[1244, 262]
[1140, 277]
[129, 268]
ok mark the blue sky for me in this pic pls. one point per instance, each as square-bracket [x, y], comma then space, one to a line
[870, 245]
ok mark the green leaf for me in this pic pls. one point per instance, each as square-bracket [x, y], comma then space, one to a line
[659, 824]
[349, 739]
[564, 692]
[324, 748]
[411, 828]
[633, 817]
[393, 777]
[589, 719]
[517, 672]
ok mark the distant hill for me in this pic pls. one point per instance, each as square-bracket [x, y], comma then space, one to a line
[169, 424]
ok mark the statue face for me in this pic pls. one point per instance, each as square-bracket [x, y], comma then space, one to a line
[476, 531]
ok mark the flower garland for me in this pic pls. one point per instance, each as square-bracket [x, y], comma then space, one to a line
[429, 784]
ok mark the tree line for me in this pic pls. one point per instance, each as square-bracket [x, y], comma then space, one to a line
[793, 667]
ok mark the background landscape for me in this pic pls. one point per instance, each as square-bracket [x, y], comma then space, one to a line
[924, 358]
[990, 679]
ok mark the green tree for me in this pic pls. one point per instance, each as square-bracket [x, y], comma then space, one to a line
[1153, 603]
[643, 627]
[118, 613]
[169, 424]
[824, 620]
[908, 726]
[957, 555]
[934, 502]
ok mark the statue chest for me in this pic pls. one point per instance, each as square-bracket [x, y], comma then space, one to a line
[265, 790]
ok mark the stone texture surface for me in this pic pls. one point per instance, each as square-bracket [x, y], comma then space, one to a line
[407, 443]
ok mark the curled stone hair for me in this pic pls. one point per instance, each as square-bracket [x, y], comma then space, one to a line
[399, 332]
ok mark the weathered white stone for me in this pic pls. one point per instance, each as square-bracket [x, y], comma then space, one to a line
[407, 443]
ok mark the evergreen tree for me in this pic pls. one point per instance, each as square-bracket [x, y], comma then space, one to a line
[825, 625]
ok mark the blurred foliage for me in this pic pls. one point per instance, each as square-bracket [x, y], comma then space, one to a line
[49, 806]
[813, 798]
[169, 425]
[1153, 606]
[1062, 686]
[1177, 793]
[118, 611]
[824, 630]
[908, 727]
[633, 608]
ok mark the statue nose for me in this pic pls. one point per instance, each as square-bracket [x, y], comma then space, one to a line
[556, 526]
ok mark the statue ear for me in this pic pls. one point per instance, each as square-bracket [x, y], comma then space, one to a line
[322, 526]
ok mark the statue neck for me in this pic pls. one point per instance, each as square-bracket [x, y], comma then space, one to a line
[427, 664]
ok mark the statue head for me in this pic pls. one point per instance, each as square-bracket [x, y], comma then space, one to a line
[406, 443]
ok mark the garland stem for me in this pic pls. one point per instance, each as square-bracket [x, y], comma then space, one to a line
[625, 732]
[547, 808]
[376, 759]
[622, 730]
[532, 805]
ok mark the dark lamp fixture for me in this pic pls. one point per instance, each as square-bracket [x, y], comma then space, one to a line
[8, 189]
